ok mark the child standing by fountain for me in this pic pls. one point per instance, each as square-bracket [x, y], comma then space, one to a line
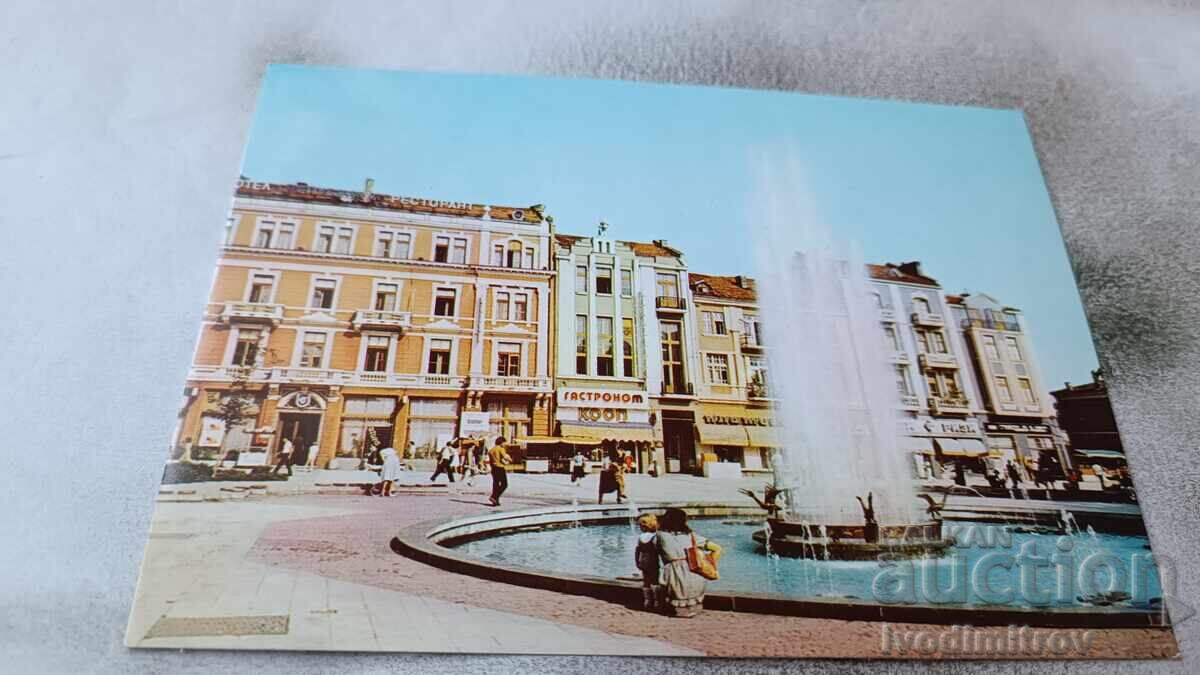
[684, 588]
[645, 556]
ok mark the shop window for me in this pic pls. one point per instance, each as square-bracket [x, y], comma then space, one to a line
[443, 302]
[508, 359]
[604, 346]
[366, 425]
[439, 357]
[510, 418]
[376, 358]
[431, 423]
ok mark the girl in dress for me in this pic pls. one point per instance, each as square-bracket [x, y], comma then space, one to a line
[684, 588]
[390, 472]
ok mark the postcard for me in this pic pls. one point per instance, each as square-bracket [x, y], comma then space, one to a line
[548, 366]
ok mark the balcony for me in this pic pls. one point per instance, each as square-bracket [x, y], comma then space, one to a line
[252, 312]
[992, 324]
[949, 404]
[508, 383]
[887, 314]
[678, 389]
[751, 343]
[897, 356]
[670, 303]
[907, 401]
[928, 319]
[929, 360]
[380, 320]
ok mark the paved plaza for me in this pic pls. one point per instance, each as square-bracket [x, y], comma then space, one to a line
[305, 564]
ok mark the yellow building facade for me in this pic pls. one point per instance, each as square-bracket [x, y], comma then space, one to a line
[345, 319]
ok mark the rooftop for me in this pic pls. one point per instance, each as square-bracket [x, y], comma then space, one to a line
[723, 287]
[905, 272]
[368, 198]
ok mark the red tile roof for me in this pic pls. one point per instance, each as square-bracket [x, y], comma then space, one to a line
[656, 249]
[908, 273]
[954, 299]
[303, 192]
[723, 287]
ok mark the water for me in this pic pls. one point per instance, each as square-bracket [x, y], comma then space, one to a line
[607, 551]
[836, 394]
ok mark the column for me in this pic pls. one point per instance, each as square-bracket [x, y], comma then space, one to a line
[543, 329]
[400, 426]
[268, 416]
[331, 427]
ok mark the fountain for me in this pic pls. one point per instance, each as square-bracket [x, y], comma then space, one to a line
[847, 488]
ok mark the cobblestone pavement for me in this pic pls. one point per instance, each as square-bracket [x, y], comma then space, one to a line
[328, 554]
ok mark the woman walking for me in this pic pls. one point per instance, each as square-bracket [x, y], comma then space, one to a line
[684, 588]
[390, 472]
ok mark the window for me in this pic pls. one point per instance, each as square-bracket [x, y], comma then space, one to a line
[714, 323]
[922, 341]
[920, 305]
[365, 418]
[529, 256]
[245, 352]
[1003, 388]
[756, 374]
[458, 252]
[439, 357]
[931, 381]
[323, 290]
[604, 346]
[1041, 442]
[312, 351]
[441, 249]
[509, 418]
[431, 423]
[383, 245]
[626, 283]
[878, 299]
[717, 366]
[1014, 350]
[938, 341]
[891, 341]
[627, 347]
[989, 347]
[377, 353]
[508, 359]
[1027, 390]
[230, 227]
[581, 284]
[498, 255]
[671, 337]
[443, 302]
[324, 242]
[345, 236]
[502, 305]
[520, 307]
[667, 285]
[512, 257]
[264, 234]
[581, 344]
[283, 235]
[902, 381]
[385, 297]
[262, 287]
[753, 330]
[603, 280]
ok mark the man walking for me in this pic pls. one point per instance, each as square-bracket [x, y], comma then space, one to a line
[500, 461]
[444, 459]
[285, 457]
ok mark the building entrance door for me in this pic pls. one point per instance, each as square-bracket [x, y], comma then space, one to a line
[679, 445]
[303, 429]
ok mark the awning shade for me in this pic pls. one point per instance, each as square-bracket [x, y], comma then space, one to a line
[973, 447]
[638, 434]
[724, 434]
[960, 447]
[1101, 454]
[762, 437]
[554, 440]
[917, 444]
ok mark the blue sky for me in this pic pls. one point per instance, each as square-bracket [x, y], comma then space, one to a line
[957, 188]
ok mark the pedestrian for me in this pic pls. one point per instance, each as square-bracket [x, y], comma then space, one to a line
[444, 457]
[390, 472]
[1099, 472]
[619, 476]
[683, 587]
[629, 463]
[456, 461]
[285, 457]
[313, 450]
[500, 461]
[645, 556]
[1014, 476]
[578, 462]
[608, 480]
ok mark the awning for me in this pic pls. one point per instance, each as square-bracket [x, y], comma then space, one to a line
[724, 434]
[917, 444]
[762, 437]
[1101, 454]
[960, 447]
[555, 440]
[634, 433]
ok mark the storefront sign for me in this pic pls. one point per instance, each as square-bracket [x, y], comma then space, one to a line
[1016, 428]
[603, 415]
[598, 415]
[602, 398]
[736, 420]
[474, 423]
[928, 426]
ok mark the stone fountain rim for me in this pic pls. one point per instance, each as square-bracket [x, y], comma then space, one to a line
[423, 542]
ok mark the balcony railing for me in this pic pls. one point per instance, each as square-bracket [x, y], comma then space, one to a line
[380, 320]
[326, 376]
[931, 360]
[509, 383]
[910, 401]
[670, 302]
[751, 343]
[949, 404]
[928, 319]
[993, 324]
[252, 311]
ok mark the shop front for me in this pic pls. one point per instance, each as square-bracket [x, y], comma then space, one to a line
[602, 420]
[737, 434]
[1030, 446]
[945, 448]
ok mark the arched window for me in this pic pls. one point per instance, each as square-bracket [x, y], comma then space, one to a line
[920, 305]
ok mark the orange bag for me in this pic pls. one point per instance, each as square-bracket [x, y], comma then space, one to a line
[701, 562]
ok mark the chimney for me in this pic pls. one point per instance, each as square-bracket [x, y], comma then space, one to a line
[661, 242]
[745, 282]
[913, 267]
[368, 188]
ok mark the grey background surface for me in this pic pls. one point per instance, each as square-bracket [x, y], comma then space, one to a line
[121, 129]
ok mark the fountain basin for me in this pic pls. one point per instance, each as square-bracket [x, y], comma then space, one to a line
[792, 538]
[576, 557]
